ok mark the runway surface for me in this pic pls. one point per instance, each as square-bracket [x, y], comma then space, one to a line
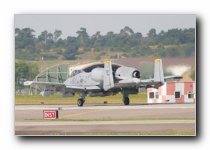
[105, 118]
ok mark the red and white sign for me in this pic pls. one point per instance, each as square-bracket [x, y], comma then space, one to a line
[50, 114]
[173, 92]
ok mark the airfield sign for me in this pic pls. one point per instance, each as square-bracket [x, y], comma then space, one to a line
[50, 114]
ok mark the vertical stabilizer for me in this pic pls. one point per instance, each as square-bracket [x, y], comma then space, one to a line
[158, 71]
[108, 81]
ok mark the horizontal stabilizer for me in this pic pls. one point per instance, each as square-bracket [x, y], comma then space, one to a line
[173, 77]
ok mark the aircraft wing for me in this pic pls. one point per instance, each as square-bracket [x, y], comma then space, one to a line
[49, 88]
[75, 87]
[66, 87]
[54, 84]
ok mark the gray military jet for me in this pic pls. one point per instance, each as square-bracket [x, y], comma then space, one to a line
[104, 82]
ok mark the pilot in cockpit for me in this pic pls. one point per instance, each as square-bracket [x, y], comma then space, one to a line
[76, 72]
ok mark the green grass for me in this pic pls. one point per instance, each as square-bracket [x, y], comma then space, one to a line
[58, 99]
[159, 133]
[153, 133]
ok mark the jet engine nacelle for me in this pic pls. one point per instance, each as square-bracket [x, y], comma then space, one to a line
[127, 72]
[97, 74]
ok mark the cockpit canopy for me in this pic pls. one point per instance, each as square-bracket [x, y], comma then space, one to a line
[76, 72]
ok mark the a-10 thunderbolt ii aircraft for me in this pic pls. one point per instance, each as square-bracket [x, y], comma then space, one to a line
[104, 82]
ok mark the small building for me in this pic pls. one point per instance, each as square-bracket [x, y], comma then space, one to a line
[172, 92]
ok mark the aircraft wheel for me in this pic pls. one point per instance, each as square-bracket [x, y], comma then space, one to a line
[80, 102]
[126, 100]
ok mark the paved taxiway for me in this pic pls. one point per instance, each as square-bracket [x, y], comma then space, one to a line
[28, 119]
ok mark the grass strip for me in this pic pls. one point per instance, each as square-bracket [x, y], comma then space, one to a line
[127, 134]
[152, 133]
[58, 99]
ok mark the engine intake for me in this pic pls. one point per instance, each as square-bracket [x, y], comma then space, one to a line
[127, 72]
[136, 74]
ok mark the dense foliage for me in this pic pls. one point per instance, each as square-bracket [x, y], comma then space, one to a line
[127, 43]
[24, 71]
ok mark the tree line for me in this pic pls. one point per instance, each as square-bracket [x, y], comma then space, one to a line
[171, 43]
[24, 71]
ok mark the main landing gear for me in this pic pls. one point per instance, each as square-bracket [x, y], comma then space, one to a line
[126, 99]
[81, 100]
